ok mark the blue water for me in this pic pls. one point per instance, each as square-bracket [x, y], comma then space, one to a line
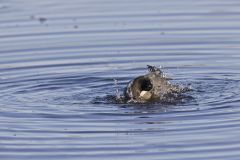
[59, 59]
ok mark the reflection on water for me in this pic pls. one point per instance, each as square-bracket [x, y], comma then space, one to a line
[59, 59]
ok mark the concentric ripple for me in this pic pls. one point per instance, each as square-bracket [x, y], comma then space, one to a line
[59, 60]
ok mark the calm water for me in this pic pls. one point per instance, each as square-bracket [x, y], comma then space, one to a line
[59, 59]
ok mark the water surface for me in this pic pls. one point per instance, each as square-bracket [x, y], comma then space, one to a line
[59, 59]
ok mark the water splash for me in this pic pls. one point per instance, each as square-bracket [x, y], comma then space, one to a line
[168, 94]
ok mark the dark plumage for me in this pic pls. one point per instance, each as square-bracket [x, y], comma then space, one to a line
[153, 86]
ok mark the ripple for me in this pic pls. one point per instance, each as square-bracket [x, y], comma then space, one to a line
[59, 59]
